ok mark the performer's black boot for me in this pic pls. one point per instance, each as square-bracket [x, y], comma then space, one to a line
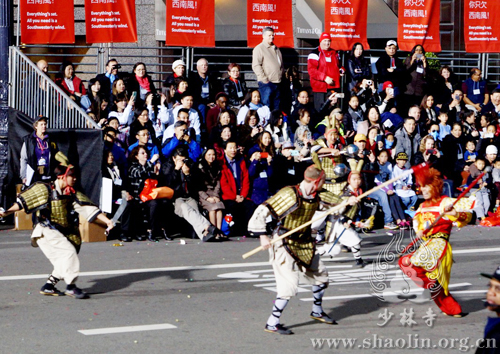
[49, 288]
[317, 310]
[273, 323]
[77, 293]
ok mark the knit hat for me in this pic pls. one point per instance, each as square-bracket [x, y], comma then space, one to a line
[325, 35]
[491, 149]
[387, 84]
[177, 63]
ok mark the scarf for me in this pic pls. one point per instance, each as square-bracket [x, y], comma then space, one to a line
[143, 82]
[254, 106]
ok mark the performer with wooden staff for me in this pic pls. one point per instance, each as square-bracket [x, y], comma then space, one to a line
[56, 228]
[430, 265]
[295, 258]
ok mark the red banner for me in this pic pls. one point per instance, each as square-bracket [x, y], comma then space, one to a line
[346, 23]
[110, 21]
[481, 31]
[47, 21]
[418, 23]
[190, 23]
[270, 13]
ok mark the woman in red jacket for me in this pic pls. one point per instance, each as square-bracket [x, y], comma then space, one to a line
[69, 82]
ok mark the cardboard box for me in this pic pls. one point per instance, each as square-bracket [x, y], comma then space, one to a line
[23, 221]
[92, 232]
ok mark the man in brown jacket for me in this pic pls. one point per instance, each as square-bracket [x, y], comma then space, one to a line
[267, 64]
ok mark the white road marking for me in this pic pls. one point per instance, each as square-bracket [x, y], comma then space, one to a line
[213, 266]
[144, 270]
[126, 329]
[396, 292]
[476, 250]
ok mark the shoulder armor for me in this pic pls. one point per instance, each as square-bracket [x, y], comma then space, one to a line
[327, 197]
[321, 142]
[35, 197]
[82, 199]
[283, 202]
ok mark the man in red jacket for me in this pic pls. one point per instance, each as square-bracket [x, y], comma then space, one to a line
[324, 70]
[235, 185]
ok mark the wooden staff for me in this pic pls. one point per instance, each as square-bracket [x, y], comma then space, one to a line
[414, 169]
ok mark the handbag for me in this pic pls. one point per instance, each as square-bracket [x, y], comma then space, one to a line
[150, 191]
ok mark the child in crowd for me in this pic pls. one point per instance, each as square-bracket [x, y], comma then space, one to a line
[483, 193]
[385, 173]
[389, 144]
[404, 185]
[471, 154]
[469, 158]
[444, 128]
[303, 134]
[496, 180]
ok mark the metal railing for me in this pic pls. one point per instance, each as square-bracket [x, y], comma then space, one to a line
[158, 60]
[33, 93]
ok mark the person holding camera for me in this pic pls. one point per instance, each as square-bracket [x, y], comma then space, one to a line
[181, 137]
[416, 67]
[108, 78]
[178, 175]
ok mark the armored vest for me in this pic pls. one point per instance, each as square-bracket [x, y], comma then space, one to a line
[54, 209]
[292, 210]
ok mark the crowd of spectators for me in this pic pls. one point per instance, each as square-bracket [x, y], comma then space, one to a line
[224, 148]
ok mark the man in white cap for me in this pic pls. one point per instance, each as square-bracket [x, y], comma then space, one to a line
[389, 67]
[179, 70]
[324, 70]
[267, 64]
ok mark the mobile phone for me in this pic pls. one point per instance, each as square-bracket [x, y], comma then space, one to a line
[134, 95]
[294, 153]
[391, 91]
[264, 155]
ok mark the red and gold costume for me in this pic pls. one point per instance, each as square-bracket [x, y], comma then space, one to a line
[430, 265]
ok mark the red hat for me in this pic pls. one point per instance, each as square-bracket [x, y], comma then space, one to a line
[325, 35]
[387, 84]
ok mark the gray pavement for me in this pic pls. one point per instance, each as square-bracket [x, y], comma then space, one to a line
[204, 298]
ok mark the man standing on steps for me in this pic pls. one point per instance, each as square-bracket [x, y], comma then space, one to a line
[267, 64]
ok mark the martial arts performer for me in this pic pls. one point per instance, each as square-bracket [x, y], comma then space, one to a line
[56, 226]
[430, 265]
[295, 257]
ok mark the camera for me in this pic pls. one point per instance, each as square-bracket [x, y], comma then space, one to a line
[117, 66]
[419, 56]
[369, 82]
[294, 153]
[188, 162]
[431, 151]
[185, 131]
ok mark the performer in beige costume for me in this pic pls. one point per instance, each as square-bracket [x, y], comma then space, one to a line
[295, 258]
[56, 231]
